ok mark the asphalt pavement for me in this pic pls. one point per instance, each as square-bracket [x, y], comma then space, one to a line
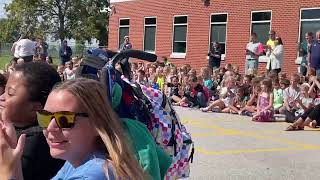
[232, 147]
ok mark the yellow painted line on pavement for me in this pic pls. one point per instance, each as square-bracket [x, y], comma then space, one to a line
[279, 140]
[206, 152]
[224, 131]
[218, 133]
[206, 126]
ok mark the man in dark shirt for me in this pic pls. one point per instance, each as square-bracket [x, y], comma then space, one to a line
[315, 55]
[65, 52]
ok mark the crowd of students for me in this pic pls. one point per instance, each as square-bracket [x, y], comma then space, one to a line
[42, 121]
[226, 90]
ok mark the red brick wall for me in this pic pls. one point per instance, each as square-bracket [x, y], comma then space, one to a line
[285, 21]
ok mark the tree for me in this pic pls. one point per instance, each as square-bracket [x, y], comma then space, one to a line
[78, 19]
[8, 30]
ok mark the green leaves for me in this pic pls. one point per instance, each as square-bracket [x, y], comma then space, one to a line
[78, 19]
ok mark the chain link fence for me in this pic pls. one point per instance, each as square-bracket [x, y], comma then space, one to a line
[53, 50]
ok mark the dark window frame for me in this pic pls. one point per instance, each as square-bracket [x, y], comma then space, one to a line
[120, 39]
[179, 24]
[219, 22]
[152, 24]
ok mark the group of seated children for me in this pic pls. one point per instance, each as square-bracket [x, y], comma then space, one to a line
[225, 90]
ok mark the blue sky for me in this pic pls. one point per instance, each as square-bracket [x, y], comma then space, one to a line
[2, 11]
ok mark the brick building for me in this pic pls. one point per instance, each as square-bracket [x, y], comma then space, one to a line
[183, 29]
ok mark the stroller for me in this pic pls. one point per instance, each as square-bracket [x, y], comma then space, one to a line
[144, 104]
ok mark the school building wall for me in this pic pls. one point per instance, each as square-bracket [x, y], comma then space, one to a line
[285, 21]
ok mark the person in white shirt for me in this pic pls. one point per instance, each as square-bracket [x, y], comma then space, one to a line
[26, 49]
[291, 95]
[69, 73]
[253, 50]
[276, 56]
[14, 49]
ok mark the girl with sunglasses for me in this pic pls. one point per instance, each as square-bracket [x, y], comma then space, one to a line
[81, 128]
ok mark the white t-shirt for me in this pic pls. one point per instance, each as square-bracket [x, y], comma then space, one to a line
[69, 74]
[16, 51]
[290, 94]
[306, 102]
[25, 47]
[253, 47]
[227, 96]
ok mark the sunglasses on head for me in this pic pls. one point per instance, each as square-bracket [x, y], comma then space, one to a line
[64, 119]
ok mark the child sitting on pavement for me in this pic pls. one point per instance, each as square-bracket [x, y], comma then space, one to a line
[141, 77]
[160, 78]
[196, 96]
[205, 74]
[173, 89]
[205, 89]
[227, 95]
[291, 94]
[277, 95]
[265, 103]
[239, 101]
[304, 102]
[251, 107]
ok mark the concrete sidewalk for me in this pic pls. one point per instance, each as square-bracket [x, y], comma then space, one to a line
[234, 147]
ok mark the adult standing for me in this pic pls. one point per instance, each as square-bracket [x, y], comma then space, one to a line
[315, 55]
[304, 53]
[272, 40]
[14, 49]
[125, 62]
[42, 49]
[126, 44]
[215, 55]
[26, 49]
[65, 52]
[275, 55]
[253, 51]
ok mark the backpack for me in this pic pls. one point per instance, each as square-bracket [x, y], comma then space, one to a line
[170, 134]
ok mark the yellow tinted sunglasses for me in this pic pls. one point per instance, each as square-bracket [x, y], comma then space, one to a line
[64, 119]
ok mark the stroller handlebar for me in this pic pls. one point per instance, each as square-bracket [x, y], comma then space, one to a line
[131, 53]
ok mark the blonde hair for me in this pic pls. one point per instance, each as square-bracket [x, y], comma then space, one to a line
[230, 79]
[305, 86]
[108, 125]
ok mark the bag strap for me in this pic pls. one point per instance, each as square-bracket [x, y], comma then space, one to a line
[190, 159]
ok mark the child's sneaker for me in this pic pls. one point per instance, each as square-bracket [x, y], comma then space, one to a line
[216, 110]
[247, 113]
[206, 109]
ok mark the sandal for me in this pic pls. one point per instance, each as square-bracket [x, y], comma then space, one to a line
[294, 128]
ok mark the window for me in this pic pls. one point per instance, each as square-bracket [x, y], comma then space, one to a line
[218, 30]
[180, 25]
[261, 25]
[124, 25]
[309, 22]
[150, 27]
